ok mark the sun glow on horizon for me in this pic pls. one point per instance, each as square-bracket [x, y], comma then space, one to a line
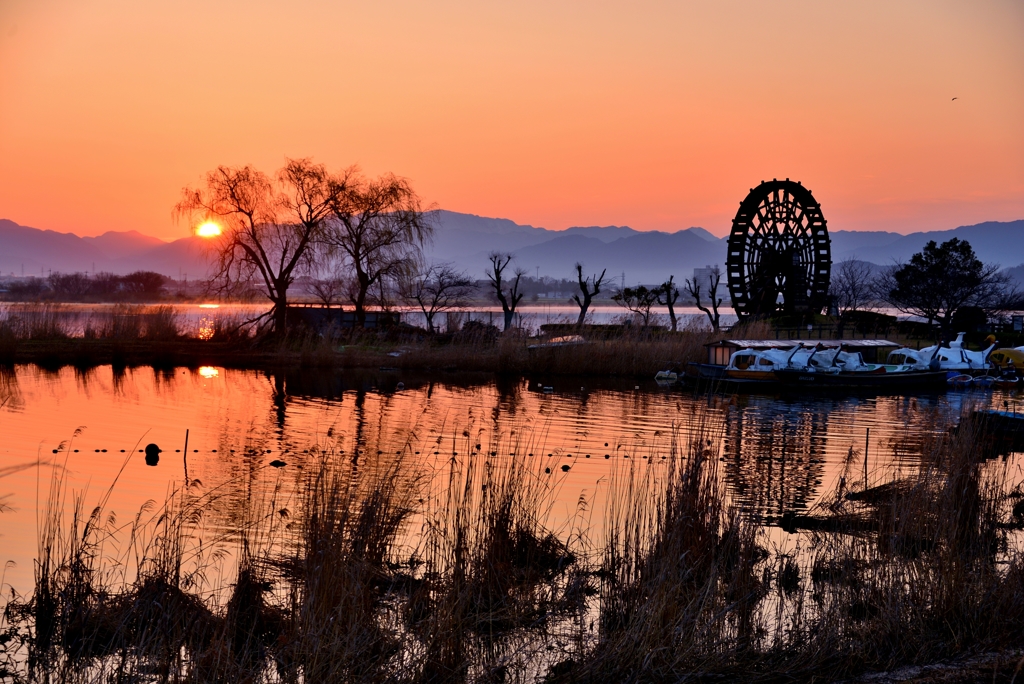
[208, 230]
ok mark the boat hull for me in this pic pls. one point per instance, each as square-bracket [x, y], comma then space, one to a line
[894, 381]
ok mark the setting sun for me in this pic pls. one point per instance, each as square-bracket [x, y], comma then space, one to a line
[208, 230]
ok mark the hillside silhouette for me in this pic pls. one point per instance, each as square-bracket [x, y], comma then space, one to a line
[466, 239]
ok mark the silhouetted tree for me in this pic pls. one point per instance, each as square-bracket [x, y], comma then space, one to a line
[694, 289]
[941, 279]
[376, 232]
[69, 285]
[327, 291]
[508, 297]
[668, 294]
[268, 227]
[27, 288]
[143, 283]
[105, 285]
[851, 286]
[639, 300]
[589, 288]
[439, 288]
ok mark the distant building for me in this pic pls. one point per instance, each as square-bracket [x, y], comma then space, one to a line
[702, 276]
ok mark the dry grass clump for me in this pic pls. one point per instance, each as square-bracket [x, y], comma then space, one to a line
[637, 353]
[37, 322]
[127, 322]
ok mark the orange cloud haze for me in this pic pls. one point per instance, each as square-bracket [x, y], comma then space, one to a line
[659, 115]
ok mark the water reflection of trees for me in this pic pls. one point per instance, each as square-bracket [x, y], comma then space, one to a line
[10, 390]
[774, 455]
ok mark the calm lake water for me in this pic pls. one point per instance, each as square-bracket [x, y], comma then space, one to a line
[779, 453]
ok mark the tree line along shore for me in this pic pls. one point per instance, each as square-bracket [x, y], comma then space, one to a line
[340, 238]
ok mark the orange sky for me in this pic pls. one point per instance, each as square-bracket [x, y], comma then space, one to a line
[653, 115]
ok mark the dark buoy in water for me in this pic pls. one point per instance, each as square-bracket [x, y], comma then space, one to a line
[278, 463]
[152, 454]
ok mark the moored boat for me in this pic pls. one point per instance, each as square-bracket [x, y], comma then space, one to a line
[900, 380]
[951, 358]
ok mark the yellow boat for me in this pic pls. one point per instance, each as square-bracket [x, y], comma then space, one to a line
[1004, 359]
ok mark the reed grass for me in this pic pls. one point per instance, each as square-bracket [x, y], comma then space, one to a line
[131, 333]
[383, 571]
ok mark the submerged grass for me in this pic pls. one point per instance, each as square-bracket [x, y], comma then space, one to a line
[384, 572]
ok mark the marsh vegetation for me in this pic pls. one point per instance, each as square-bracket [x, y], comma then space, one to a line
[383, 570]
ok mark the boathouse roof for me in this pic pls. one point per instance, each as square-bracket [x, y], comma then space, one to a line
[789, 344]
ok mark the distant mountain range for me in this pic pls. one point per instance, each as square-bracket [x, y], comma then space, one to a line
[33, 252]
[465, 240]
[651, 256]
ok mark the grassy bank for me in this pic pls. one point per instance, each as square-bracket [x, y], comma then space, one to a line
[385, 572]
[131, 336]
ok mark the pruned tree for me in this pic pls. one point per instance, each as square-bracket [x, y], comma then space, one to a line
[438, 289]
[668, 294]
[941, 279]
[693, 287]
[376, 231]
[639, 300]
[509, 296]
[589, 288]
[268, 226]
[852, 285]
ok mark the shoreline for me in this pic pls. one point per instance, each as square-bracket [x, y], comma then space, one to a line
[623, 357]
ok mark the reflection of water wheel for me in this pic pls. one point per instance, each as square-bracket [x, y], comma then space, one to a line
[780, 257]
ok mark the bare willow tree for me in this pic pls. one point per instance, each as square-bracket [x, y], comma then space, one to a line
[376, 230]
[852, 285]
[268, 226]
[667, 295]
[589, 288]
[438, 289]
[693, 287]
[509, 296]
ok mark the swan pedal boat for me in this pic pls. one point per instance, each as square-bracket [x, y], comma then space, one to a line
[816, 366]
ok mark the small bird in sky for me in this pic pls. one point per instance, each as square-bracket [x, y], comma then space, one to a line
[955, 98]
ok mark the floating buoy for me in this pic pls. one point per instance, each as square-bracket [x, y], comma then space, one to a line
[152, 454]
[278, 463]
[400, 386]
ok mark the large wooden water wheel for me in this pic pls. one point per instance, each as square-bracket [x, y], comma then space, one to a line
[780, 258]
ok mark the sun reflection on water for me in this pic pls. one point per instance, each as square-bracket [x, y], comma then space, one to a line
[206, 328]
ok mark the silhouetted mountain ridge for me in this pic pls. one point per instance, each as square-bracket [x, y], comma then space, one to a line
[466, 240]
